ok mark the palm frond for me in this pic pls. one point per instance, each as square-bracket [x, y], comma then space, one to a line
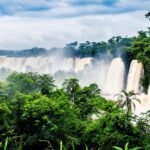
[134, 106]
[6, 144]
[136, 148]
[117, 148]
[126, 146]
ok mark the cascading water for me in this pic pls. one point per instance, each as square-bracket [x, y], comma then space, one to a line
[95, 71]
[115, 77]
[36, 64]
[80, 63]
[68, 64]
[107, 72]
[49, 64]
[134, 77]
[148, 92]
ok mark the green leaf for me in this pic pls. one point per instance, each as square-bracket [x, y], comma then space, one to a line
[6, 143]
[73, 148]
[136, 148]
[86, 148]
[126, 146]
[61, 145]
[117, 148]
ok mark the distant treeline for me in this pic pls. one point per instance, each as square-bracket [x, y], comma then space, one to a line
[115, 46]
[24, 53]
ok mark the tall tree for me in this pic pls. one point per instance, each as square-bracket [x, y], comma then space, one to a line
[46, 84]
[71, 87]
[126, 99]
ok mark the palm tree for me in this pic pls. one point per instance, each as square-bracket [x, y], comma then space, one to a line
[126, 99]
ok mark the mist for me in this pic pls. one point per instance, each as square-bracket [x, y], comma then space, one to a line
[107, 71]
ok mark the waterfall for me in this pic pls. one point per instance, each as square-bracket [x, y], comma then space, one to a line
[106, 72]
[148, 92]
[115, 77]
[101, 70]
[68, 64]
[81, 63]
[49, 64]
[134, 77]
[95, 72]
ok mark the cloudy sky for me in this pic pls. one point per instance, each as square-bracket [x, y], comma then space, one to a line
[53, 23]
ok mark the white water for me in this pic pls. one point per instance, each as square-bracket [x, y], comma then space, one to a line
[134, 77]
[95, 72]
[107, 72]
[148, 93]
[36, 64]
[44, 64]
[144, 104]
[81, 63]
[115, 77]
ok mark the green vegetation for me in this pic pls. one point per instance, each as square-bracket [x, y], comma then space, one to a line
[126, 147]
[35, 114]
[126, 99]
[113, 46]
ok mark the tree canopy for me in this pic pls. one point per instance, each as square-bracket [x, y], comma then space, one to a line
[35, 114]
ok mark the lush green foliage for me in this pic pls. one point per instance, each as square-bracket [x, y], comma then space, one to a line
[126, 147]
[114, 46]
[35, 114]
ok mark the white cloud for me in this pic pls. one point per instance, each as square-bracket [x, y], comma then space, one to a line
[27, 32]
[69, 8]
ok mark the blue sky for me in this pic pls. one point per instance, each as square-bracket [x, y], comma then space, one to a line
[70, 8]
[48, 23]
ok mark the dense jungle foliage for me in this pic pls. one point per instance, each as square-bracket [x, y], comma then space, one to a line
[35, 114]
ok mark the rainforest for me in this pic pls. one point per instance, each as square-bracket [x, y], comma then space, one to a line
[83, 96]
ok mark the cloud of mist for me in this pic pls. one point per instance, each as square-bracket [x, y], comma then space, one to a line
[23, 32]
